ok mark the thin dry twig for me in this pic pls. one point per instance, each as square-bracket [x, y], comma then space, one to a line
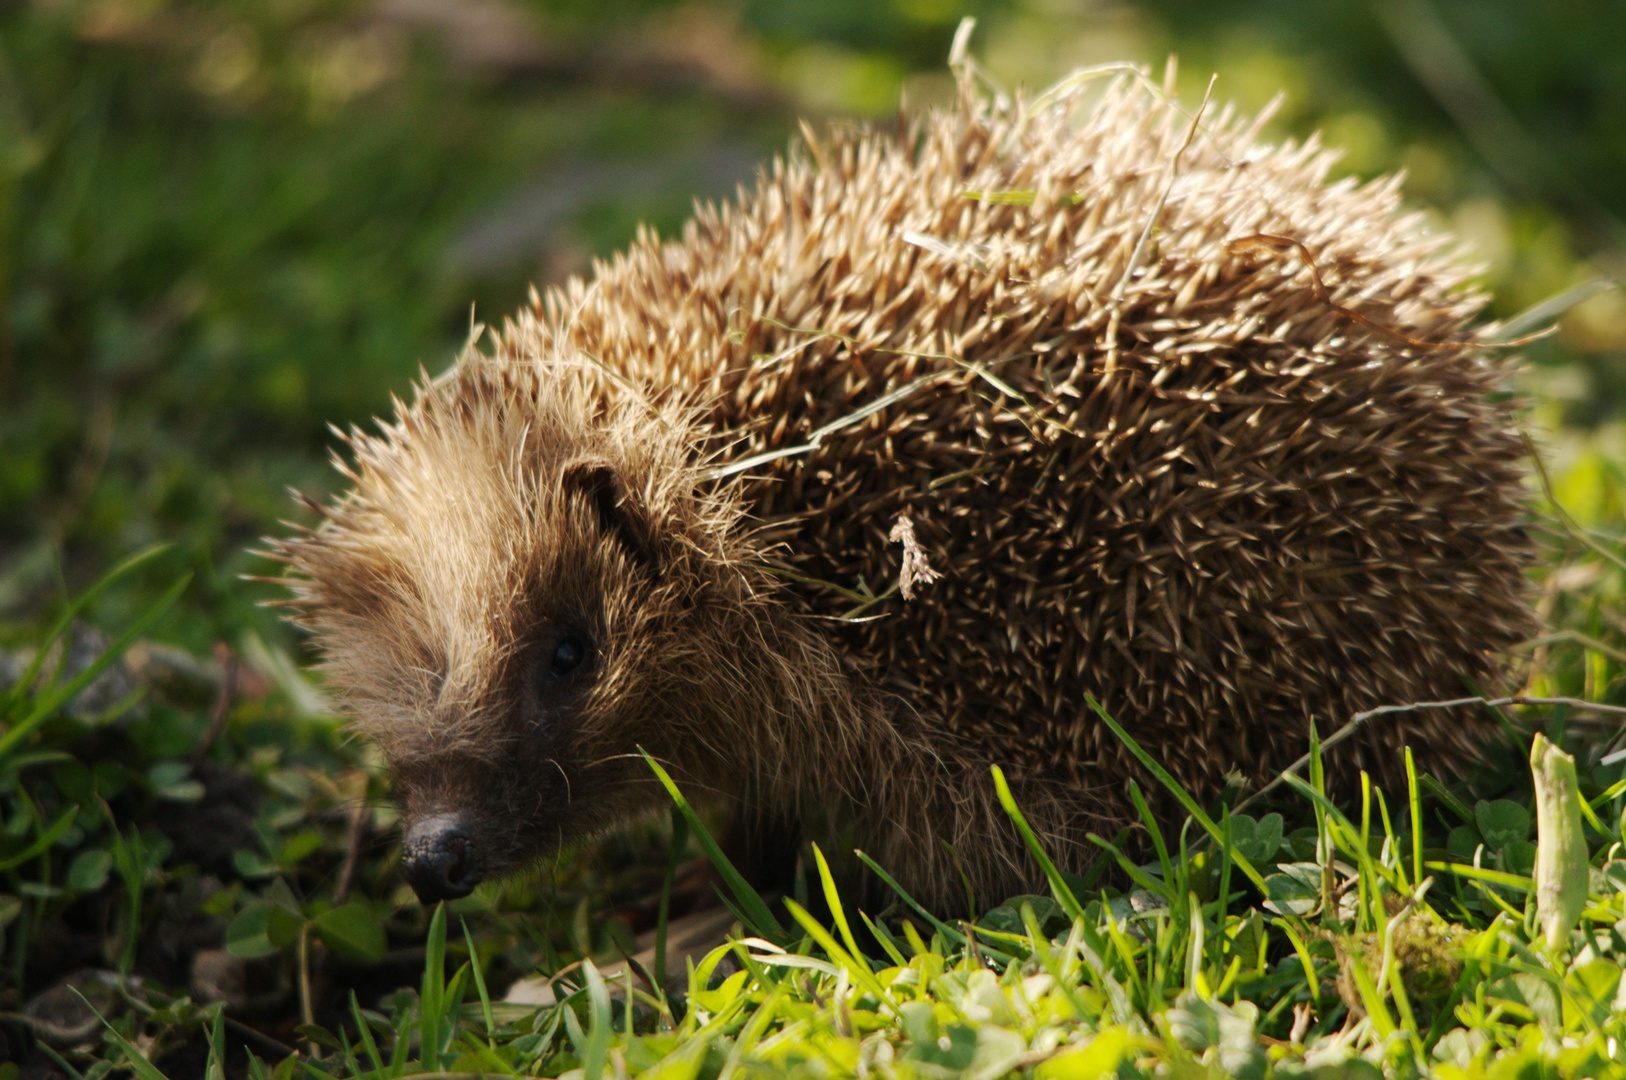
[357, 829]
[255, 1033]
[977, 368]
[1359, 719]
[817, 437]
[307, 1012]
[961, 63]
[222, 705]
[1301, 1023]
[1575, 637]
[1319, 289]
[1118, 291]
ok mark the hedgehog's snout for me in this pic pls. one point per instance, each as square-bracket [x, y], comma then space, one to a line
[440, 860]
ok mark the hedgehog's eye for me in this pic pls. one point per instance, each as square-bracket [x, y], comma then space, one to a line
[567, 656]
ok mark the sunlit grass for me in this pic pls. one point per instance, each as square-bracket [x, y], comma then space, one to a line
[1419, 932]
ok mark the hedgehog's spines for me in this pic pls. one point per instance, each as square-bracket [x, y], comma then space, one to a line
[1267, 513]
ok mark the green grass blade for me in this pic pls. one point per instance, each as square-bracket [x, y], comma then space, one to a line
[1098, 868]
[937, 924]
[1376, 1008]
[316, 1071]
[680, 839]
[573, 1027]
[1451, 802]
[752, 1033]
[916, 945]
[1157, 834]
[365, 1033]
[215, 1069]
[1325, 806]
[1318, 782]
[352, 1066]
[1388, 830]
[1494, 877]
[889, 944]
[1311, 982]
[401, 1048]
[491, 1065]
[599, 1023]
[1178, 791]
[130, 859]
[1416, 818]
[1049, 960]
[1136, 874]
[432, 996]
[833, 897]
[1608, 793]
[43, 842]
[1064, 894]
[1128, 953]
[733, 909]
[60, 627]
[479, 981]
[1224, 900]
[67, 1067]
[51, 701]
[750, 902]
[1446, 1015]
[856, 965]
[143, 1066]
[456, 988]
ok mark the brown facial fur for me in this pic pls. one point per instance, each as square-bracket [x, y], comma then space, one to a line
[1242, 514]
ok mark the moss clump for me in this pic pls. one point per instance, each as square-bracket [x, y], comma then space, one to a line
[1427, 952]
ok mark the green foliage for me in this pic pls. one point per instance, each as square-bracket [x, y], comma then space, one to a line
[1345, 957]
[1376, 983]
[277, 921]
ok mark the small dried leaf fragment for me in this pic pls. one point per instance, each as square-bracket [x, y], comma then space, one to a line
[915, 567]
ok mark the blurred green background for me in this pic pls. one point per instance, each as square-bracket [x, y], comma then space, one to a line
[225, 225]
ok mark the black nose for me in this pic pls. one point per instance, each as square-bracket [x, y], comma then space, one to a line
[440, 860]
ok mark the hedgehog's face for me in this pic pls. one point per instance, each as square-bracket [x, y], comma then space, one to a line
[524, 774]
[509, 642]
[562, 674]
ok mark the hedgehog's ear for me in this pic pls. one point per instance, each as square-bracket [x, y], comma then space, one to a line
[620, 512]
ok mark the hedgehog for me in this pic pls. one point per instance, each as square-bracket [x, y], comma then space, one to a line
[878, 475]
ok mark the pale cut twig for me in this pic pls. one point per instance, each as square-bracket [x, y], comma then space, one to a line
[959, 59]
[1057, 91]
[357, 827]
